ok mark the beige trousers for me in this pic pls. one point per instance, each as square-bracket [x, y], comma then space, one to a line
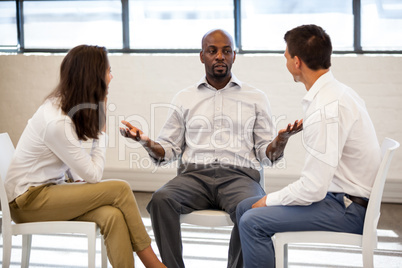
[111, 204]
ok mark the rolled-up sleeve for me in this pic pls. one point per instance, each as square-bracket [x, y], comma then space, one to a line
[172, 136]
[264, 132]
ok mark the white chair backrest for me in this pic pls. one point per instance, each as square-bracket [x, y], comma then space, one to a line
[262, 178]
[6, 154]
[388, 148]
[87, 228]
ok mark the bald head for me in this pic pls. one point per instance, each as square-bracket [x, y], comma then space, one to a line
[215, 34]
[217, 55]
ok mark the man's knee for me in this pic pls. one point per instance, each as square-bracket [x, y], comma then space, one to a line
[242, 219]
[243, 206]
[246, 221]
[160, 199]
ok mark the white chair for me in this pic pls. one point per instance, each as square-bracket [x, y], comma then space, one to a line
[9, 228]
[367, 241]
[213, 217]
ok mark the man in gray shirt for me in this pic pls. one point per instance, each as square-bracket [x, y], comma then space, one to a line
[221, 129]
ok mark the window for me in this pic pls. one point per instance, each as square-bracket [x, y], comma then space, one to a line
[257, 26]
[381, 24]
[65, 24]
[8, 25]
[177, 24]
[264, 22]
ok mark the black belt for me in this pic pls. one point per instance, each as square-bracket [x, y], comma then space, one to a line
[358, 200]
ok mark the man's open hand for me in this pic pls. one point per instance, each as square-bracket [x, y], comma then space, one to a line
[260, 203]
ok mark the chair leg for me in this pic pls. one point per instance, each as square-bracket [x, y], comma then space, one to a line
[7, 239]
[368, 254]
[279, 254]
[26, 250]
[285, 256]
[91, 250]
[103, 253]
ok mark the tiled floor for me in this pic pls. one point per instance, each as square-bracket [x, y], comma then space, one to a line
[207, 247]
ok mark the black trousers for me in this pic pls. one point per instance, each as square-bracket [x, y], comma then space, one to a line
[197, 187]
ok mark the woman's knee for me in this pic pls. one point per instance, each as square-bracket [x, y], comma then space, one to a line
[117, 186]
[108, 217]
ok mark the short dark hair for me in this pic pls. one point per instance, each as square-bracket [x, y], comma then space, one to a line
[311, 44]
[82, 82]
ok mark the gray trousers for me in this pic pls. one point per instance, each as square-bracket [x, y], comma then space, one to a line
[199, 187]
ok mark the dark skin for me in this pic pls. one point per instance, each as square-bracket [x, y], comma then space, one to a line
[217, 55]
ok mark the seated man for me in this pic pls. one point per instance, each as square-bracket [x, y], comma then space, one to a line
[343, 156]
[222, 130]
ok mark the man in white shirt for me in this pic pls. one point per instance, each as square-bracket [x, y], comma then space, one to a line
[221, 129]
[342, 157]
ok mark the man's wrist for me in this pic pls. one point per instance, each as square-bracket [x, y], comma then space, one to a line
[281, 140]
[145, 143]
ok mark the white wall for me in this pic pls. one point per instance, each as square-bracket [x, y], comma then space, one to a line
[142, 83]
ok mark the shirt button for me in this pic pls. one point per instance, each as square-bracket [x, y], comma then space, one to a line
[218, 109]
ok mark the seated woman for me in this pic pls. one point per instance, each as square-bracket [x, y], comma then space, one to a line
[50, 147]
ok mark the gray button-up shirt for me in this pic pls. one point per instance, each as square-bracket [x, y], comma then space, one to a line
[229, 126]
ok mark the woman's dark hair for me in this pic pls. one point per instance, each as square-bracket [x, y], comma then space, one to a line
[311, 44]
[82, 89]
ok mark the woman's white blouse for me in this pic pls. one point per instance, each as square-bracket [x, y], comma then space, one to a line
[48, 147]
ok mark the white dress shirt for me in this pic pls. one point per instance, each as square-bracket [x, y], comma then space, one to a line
[342, 149]
[47, 148]
[229, 126]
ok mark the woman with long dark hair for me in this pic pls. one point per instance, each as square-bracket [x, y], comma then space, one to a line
[49, 153]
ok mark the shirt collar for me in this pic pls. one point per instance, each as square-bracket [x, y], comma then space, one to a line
[232, 82]
[321, 81]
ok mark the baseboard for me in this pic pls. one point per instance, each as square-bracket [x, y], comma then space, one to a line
[151, 180]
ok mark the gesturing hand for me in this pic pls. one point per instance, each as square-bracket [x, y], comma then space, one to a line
[290, 130]
[132, 132]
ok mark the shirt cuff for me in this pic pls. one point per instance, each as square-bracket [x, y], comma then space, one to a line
[273, 199]
[265, 161]
[168, 156]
